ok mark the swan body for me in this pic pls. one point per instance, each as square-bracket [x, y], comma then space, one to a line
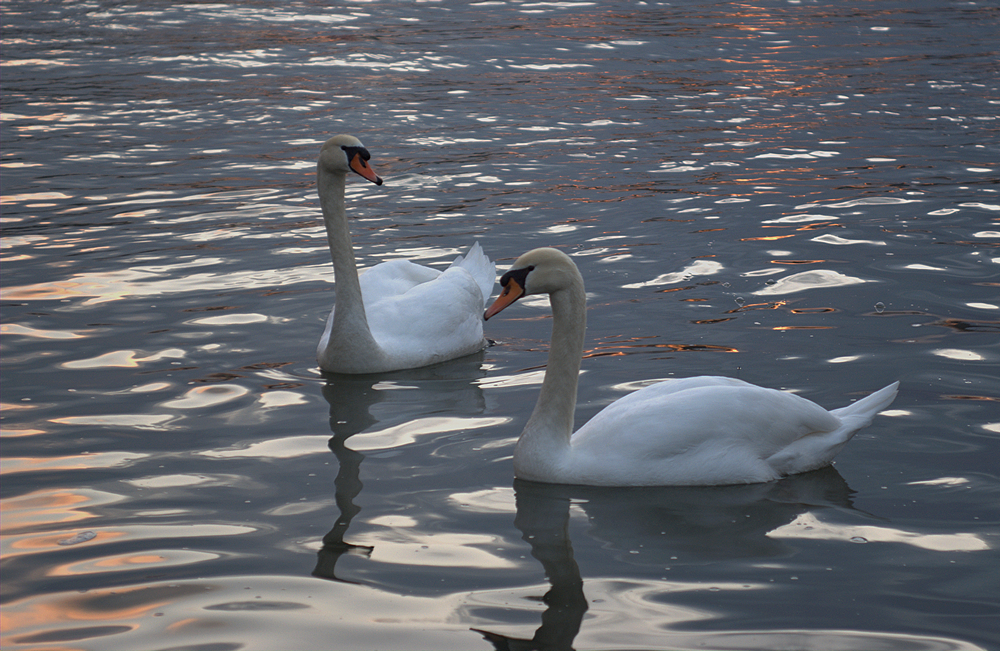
[397, 314]
[693, 431]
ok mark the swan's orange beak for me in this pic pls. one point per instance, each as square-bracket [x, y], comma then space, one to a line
[361, 166]
[511, 292]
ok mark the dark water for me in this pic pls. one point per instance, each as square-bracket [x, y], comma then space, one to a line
[800, 194]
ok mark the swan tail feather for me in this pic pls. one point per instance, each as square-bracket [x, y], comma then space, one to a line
[819, 449]
[862, 411]
[480, 268]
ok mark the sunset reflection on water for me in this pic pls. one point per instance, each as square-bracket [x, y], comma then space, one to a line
[799, 195]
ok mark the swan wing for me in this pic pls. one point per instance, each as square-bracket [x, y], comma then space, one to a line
[391, 279]
[420, 318]
[396, 277]
[700, 431]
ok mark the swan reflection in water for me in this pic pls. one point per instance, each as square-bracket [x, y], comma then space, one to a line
[350, 399]
[702, 523]
[368, 404]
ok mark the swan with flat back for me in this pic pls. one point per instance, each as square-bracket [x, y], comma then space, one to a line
[695, 431]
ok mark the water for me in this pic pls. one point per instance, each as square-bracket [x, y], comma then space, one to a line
[800, 194]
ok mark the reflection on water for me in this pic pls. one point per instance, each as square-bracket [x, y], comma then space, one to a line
[808, 527]
[350, 401]
[816, 278]
[659, 526]
[543, 520]
[810, 188]
[355, 402]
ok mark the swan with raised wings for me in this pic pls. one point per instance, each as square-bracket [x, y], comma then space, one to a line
[693, 431]
[397, 314]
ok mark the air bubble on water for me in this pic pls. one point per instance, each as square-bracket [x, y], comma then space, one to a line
[740, 301]
[880, 307]
[859, 539]
[771, 281]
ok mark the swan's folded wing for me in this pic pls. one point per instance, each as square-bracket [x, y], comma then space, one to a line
[386, 280]
[430, 321]
[709, 432]
[392, 279]
[670, 419]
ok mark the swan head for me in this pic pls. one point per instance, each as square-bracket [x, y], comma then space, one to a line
[540, 271]
[342, 153]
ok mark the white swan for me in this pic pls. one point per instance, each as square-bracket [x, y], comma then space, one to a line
[397, 314]
[693, 431]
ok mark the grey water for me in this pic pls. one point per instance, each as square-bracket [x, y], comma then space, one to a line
[801, 194]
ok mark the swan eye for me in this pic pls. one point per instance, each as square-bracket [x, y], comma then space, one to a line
[518, 275]
[356, 151]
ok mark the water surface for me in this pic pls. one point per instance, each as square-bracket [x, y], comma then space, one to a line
[803, 195]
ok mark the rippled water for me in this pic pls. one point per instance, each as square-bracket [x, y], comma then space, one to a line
[800, 194]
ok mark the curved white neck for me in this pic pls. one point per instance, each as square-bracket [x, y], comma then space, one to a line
[546, 437]
[350, 325]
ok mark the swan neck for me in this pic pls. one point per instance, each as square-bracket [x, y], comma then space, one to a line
[338, 234]
[350, 323]
[553, 414]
